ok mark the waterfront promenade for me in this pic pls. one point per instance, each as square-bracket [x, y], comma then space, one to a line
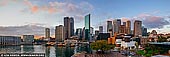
[112, 54]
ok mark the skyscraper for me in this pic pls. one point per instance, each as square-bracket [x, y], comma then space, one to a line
[124, 23]
[110, 27]
[144, 31]
[119, 24]
[100, 29]
[122, 29]
[91, 30]
[87, 27]
[47, 32]
[68, 27]
[79, 32]
[137, 28]
[72, 26]
[128, 27]
[116, 24]
[59, 33]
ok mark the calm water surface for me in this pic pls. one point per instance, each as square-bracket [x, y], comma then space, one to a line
[50, 51]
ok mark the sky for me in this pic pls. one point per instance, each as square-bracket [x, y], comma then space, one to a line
[20, 17]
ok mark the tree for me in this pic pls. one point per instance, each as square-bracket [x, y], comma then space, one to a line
[101, 45]
[137, 45]
[149, 50]
[162, 39]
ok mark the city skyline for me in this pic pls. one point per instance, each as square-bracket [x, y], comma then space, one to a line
[19, 15]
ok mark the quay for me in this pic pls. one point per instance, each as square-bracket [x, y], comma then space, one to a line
[112, 54]
[22, 54]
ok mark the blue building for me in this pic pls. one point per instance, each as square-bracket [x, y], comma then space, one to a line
[87, 27]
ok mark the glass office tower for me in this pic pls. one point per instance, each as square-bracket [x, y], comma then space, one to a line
[87, 27]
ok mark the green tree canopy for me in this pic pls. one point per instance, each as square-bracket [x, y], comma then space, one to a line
[101, 45]
[149, 50]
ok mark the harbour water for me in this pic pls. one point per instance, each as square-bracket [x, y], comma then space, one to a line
[50, 51]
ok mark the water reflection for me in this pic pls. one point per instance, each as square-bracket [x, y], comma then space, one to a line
[23, 49]
[27, 48]
[50, 51]
[10, 49]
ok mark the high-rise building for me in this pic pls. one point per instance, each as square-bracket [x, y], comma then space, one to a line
[47, 32]
[91, 30]
[83, 33]
[96, 34]
[91, 33]
[128, 27]
[100, 29]
[124, 23]
[144, 31]
[116, 24]
[137, 28]
[119, 24]
[68, 27]
[87, 27]
[122, 29]
[110, 27]
[59, 33]
[79, 33]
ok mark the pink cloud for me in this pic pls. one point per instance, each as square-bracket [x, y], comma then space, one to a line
[152, 21]
[78, 10]
[27, 2]
[34, 9]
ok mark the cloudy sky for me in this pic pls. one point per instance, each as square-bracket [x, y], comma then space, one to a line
[32, 16]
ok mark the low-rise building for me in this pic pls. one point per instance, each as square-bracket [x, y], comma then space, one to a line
[103, 36]
[144, 40]
[10, 40]
[28, 39]
[128, 42]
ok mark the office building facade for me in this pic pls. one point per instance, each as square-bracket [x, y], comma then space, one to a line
[10, 40]
[47, 32]
[116, 25]
[128, 27]
[59, 33]
[79, 32]
[103, 36]
[144, 31]
[137, 28]
[87, 27]
[68, 27]
[28, 39]
[110, 27]
[100, 29]
[122, 29]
